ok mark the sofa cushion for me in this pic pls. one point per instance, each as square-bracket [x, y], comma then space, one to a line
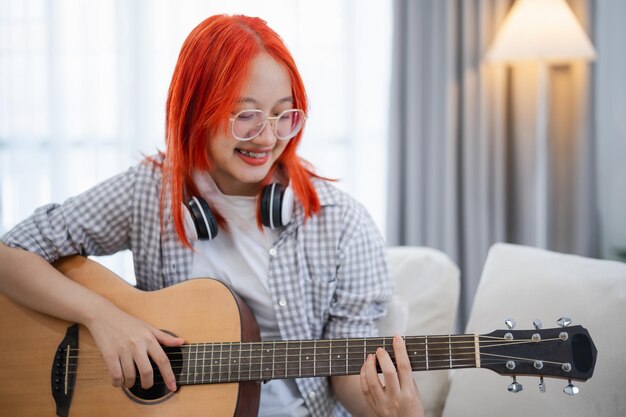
[525, 284]
[425, 302]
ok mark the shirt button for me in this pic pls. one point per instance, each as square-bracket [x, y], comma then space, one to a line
[273, 252]
[312, 395]
[282, 302]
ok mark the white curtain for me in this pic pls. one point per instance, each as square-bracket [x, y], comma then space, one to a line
[83, 86]
[462, 145]
[610, 86]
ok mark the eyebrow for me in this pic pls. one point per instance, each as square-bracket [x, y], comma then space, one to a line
[253, 101]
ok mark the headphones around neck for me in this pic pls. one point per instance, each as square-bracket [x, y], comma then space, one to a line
[276, 208]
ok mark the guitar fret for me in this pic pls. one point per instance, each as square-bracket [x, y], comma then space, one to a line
[314, 357]
[195, 364]
[261, 364]
[307, 357]
[230, 351]
[239, 365]
[346, 358]
[426, 348]
[330, 357]
[364, 350]
[221, 362]
[250, 363]
[300, 360]
[273, 358]
[476, 351]
[188, 362]
[450, 349]
[203, 362]
[286, 358]
[281, 354]
[211, 364]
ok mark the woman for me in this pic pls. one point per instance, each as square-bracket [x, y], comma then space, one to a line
[309, 267]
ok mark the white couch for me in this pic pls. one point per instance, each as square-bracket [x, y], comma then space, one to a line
[425, 303]
[525, 284]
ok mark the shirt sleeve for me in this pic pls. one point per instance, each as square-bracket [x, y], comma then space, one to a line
[96, 222]
[364, 285]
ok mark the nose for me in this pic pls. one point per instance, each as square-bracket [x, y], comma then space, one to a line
[267, 135]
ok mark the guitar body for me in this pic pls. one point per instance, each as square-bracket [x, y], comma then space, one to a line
[198, 310]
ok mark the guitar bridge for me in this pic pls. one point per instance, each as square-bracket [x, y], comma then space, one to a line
[63, 376]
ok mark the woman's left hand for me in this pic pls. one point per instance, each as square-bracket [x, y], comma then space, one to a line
[399, 396]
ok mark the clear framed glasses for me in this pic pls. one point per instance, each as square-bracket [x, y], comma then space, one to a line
[248, 124]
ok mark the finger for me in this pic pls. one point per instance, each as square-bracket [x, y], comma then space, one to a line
[115, 369]
[165, 367]
[403, 364]
[146, 375]
[128, 369]
[365, 389]
[376, 387]
[167, 339]
[389, 370]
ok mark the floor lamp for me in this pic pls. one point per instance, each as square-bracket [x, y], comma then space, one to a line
[545, 32]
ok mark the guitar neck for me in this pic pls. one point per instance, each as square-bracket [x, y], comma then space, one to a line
[207, 363]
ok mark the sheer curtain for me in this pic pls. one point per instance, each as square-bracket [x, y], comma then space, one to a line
[83, 87]
[462, 142]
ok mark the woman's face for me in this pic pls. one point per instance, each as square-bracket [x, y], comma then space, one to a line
[241, 166]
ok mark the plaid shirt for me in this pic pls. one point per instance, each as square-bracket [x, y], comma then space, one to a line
[328, 277]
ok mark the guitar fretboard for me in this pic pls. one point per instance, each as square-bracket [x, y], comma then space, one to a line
[207, 363]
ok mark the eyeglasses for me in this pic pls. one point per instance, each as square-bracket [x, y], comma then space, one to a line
[248, 124]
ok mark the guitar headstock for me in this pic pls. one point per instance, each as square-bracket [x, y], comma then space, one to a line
[565, 352]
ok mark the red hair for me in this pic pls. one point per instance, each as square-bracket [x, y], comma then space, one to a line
[207, 81]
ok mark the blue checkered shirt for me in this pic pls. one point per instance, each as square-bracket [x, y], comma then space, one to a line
[328, 277]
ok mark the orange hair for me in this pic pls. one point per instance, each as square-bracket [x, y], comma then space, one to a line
[207, 81]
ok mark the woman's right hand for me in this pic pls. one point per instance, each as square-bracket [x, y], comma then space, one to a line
[126, 341]
[123, 340]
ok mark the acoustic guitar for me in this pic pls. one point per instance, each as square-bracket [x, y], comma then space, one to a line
[52, 367]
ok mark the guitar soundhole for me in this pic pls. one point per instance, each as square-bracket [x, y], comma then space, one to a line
[583, 356]
[158, 389]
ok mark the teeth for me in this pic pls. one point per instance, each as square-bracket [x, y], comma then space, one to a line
[253, 154]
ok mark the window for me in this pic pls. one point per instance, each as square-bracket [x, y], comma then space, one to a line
[83, 87]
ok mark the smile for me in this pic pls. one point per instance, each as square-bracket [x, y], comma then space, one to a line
[253, 154]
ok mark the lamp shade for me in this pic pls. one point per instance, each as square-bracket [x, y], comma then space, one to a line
[540, 30]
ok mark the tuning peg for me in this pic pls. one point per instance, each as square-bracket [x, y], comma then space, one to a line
[542, 385]
[571, 389]
[510, 323]
[515, 386]
[564, 321]
[537, 324]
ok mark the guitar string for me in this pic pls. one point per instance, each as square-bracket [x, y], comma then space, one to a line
[246, 367]
[233, 377]
[333, 363]
[331, 350]
[252, 367]
[310, 344]
[302, 372]
[320, 359]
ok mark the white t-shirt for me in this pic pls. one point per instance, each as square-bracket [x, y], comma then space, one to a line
[239, 257]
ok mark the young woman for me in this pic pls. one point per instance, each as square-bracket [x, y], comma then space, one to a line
[311, 266]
